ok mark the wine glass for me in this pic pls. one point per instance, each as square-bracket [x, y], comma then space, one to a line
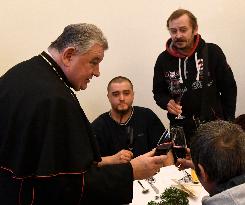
[164, 144]
[179, 148]
[179, 142]
[177, 90]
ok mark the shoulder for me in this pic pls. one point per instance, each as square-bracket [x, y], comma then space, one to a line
[101, 119]
[214, 48]
[143, 111]
[235, 195]
[163, 56]
[211, 46]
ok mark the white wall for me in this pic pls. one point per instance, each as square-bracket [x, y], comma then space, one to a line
[136, 33]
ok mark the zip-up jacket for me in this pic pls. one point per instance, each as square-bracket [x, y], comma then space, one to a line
[229, 193]
[220, 86]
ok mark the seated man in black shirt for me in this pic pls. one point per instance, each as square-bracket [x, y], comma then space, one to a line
[125, 131]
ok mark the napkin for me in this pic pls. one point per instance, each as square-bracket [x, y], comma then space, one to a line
[192, 189]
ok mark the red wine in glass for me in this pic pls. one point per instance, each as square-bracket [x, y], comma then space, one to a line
[179, 152]
[179, 142]
[163, 148]
[177, 90]
[164, 144]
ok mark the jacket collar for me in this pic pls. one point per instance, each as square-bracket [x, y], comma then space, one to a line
[229, 184]
[174, 52]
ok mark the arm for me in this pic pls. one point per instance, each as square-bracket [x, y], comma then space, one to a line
[226, 85]
[103, 139]
[123, 156]
[106, 184]
[110, 184]
[160, 86]
[114, 183]
[160, 89]
[147, 165]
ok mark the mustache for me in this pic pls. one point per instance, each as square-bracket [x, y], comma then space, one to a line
[179, 40]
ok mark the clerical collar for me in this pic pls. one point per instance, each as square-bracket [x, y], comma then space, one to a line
[58, 72]
[56, 68]
[123, 123]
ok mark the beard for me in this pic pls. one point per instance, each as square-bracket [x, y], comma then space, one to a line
[123, 111]
[184, 44]
[180, 44]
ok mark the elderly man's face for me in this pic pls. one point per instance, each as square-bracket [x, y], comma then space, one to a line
[84, 66]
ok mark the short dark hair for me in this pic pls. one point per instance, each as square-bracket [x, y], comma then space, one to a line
[180, 12]
[219, 146]
[240, 120]
[80, 36]
[119, 79]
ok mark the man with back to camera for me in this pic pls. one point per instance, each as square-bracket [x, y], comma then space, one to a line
[48, 154]
[218, 155]
[125, 131]
[207, 86]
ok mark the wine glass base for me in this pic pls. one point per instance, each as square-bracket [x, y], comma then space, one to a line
[180, 117]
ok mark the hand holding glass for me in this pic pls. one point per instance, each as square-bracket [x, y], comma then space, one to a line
[177, 90]
[164, 144]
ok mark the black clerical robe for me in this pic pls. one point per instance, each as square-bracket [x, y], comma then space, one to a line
[47, 150]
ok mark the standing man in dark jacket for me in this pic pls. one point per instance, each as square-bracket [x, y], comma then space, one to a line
[208, 86]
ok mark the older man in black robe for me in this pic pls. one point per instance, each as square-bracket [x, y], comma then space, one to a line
[48, 154]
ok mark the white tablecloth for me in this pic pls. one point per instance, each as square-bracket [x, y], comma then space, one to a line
[163, 180]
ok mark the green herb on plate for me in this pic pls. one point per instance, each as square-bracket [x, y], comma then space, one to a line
[172, 196]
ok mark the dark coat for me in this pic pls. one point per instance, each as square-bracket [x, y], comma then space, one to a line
[46, 144]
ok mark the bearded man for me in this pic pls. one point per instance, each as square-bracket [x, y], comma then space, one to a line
[192, 78]
[126, 131]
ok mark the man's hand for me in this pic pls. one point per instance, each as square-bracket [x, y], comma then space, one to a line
[174, 108]
[147, 165]
[170, 159]
[185, 163]
[123, 156]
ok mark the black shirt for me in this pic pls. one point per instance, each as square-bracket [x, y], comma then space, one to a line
[113, 137]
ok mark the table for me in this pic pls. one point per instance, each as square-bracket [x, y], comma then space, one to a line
[163, 180]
